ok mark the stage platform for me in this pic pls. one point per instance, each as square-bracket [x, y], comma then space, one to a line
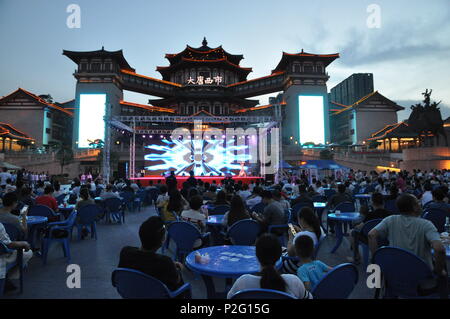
[145, 181]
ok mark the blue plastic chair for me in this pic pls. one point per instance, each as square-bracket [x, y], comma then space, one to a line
[338, 283]
[401, 271]
[133, 284]
[367, 227]
[258, 208]
[244, 232]
[390, 206]
[153, 195]
[346, 207]
[184, 235]
[261, 294]
[297, 208]
[319, 199]
[66, 225]
[42, 210]
[87, 217]
[128, 200]
[114, 208]
[15, 235]
[437, 217]
[219, 210]
[329, 192]
[60, 199]
[140, 199]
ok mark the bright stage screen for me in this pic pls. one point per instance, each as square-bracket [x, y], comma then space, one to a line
[91, 125]
[311, 119]
[204, 158]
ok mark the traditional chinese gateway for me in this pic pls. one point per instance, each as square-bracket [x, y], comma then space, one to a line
[199, 84]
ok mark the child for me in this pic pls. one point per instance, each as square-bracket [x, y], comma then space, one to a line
[310, 271]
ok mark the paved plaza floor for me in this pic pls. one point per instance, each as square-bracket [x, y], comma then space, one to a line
[98, 258]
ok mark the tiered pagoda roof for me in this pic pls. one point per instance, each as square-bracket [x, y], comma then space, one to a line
[286, 58]
[204, 55]
[117, 56]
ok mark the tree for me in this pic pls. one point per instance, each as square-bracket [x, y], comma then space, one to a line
[326, 155]
[63, 152]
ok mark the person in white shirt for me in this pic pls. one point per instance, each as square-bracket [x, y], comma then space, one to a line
[427, 196]
[195, 216]
[108, 193]
[163, 197]
[268, 252]
[255, 198]
[4, 175]
[244, 193]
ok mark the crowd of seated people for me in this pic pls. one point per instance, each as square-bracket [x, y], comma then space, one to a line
[268, 203]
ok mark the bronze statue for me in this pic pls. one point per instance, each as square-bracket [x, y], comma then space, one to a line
[427, 120]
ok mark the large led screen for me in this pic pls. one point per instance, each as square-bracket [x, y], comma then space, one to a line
[311, 119]
[91, 125]
[204, 158]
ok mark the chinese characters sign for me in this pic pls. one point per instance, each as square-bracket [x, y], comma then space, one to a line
[202, 80]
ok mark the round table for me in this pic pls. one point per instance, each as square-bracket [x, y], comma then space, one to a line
[227, 262]
[342, 220]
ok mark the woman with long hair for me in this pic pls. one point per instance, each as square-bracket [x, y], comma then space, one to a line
[237, 212]
[172, 208]
[309, 225]
[268, 252]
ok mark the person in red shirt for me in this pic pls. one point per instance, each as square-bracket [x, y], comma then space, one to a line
[47, 199]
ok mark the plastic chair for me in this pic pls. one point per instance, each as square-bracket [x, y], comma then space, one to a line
[87, 217]
[139, 199]
[66, 225]
[367, 227]
[297, 208]
[244, 232]
[338, 283]
[329, 193]
[114, 208]
[219, 210]
[319, 199]
[184, 235]
[390, 206]
[15, 234]
[60, 199]
[345, 207]
[41, 210]
[437, 217]
[133, 284]
[153, 195]
[128, 200]
[261, 294]
[258, 208]
[401, 270]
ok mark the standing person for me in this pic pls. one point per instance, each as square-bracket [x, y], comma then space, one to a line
[268, 252]
[192, 181]
[171, 182]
